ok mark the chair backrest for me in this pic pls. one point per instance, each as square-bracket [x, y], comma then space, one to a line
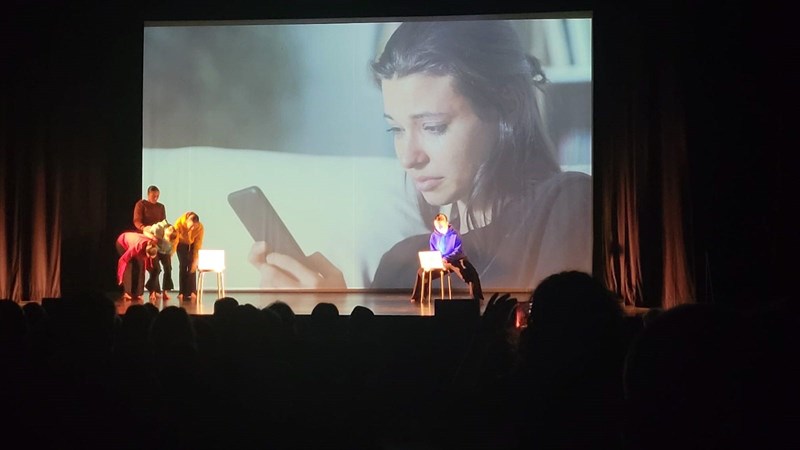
[211, 260]
[431, 260]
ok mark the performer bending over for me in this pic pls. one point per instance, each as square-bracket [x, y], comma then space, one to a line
[187, 245]
[447, 241]
[136, 253]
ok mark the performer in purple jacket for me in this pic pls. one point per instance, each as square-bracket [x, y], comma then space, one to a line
[447, 241]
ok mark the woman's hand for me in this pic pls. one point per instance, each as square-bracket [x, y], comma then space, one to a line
[280, 271]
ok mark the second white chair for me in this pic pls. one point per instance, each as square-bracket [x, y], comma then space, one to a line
[210, 261]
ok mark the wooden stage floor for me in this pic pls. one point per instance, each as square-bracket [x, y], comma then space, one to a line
[303, 302]
[394, 303]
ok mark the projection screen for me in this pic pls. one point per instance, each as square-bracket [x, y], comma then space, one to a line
[261, 126]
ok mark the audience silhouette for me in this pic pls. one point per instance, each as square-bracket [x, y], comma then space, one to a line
[580, 374]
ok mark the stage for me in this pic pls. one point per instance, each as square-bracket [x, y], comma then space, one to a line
[381, 303]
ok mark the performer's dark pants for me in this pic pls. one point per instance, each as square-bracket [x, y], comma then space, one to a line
[165, 260]
[464, 269]
[133, 279]
[187, 281]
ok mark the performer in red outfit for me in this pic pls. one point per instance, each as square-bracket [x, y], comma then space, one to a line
[137, 251]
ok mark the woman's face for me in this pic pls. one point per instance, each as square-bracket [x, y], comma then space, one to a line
[438, 139]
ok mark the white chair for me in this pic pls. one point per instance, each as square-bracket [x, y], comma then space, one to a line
[430, 262]
[210, 261]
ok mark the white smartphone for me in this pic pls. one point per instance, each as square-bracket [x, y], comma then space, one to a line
[263, 222]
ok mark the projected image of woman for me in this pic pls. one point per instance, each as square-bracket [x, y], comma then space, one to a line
[460, 102]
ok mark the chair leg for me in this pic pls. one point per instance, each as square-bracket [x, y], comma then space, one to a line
[422, 288]
[441, 285]
[430, 286]
[200, 286]
[220, 292]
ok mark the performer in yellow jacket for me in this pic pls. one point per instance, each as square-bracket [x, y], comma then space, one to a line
[187, 245]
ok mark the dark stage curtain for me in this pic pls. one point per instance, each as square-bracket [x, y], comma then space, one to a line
[30, 248]
[642, 175]
[30, 251]
[70, 147]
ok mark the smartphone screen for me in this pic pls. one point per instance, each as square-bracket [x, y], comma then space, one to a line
[263, 222]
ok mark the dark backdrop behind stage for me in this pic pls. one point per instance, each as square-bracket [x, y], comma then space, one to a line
[691, 163]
